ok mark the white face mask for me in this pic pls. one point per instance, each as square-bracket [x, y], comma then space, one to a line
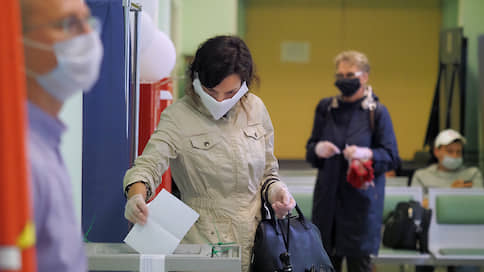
[78, 64]
[218, 109]
[452, 163]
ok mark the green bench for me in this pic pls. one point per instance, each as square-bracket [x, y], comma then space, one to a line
[456, 232]
[393, 195]
[304, 200]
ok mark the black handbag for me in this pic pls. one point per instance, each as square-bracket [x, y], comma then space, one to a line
[290, 244]
[407, 227]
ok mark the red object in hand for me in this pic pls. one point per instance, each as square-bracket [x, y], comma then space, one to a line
[360, 173]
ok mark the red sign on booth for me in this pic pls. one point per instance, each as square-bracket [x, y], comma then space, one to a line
[154, 98]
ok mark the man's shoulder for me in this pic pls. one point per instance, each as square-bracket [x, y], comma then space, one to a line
[470, 170]
[37, 147]
[429, 170]
[42, 158]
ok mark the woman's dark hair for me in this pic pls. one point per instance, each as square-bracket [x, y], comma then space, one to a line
[220, 57]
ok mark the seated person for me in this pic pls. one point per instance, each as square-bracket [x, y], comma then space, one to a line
[448, 172]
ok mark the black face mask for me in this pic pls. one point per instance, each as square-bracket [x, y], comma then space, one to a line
[348, 86]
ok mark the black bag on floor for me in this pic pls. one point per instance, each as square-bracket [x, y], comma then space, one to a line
[290, 244]
[407, 227]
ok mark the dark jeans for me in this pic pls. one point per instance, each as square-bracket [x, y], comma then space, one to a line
[354, 264]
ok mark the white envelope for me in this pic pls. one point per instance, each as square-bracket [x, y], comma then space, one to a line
[169, 219]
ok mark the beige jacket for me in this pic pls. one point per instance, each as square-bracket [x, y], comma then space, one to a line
[218, 165]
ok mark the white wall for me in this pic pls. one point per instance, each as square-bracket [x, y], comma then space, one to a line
[71, 147]
[203, 19]
[164, 16]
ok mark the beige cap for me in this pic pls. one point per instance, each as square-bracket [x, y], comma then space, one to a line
[448, 136]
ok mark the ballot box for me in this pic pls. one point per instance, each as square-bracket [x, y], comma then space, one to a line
[187, 257]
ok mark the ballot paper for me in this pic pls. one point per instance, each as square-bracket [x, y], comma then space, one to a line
[169, 219]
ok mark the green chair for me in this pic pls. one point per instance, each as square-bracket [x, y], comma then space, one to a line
[393, 195]
[457, 228]
[305, 203]
[303, 194]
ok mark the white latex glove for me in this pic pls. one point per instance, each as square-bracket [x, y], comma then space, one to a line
[136, 210]
[353, 152]
[367, 185]
[325, 149]
[281, 200]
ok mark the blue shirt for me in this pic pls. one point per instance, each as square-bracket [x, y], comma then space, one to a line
[59, 244]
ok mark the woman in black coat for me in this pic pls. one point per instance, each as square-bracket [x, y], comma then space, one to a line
[351, 126]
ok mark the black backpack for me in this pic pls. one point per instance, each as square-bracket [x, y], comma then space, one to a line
[407, 227]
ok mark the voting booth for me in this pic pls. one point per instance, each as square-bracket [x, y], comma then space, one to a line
[206, 258]
[155, 246]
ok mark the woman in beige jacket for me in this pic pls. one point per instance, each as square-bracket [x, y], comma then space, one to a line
[219, 142]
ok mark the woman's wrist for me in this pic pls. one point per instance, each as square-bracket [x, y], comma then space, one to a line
[138, 187]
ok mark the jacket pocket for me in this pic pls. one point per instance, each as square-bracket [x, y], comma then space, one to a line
[255, 132]
[204, 142]
[207, 163]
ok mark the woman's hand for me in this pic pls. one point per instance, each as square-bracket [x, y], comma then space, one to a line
[325, 149]
[281, 200]
[353, 152]
[136, 210]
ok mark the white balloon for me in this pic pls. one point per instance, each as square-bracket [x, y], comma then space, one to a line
[147, 30]
[157, 60]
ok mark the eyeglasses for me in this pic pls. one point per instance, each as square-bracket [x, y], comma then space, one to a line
[348, 75]
[73, 25]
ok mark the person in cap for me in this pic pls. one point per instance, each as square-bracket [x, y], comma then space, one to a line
[448, 171]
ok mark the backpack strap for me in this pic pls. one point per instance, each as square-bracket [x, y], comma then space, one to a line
[370, 104]
[372, 121]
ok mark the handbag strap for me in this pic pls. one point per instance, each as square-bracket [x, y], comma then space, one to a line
[286, 239]
[301, 217]
[266, 209]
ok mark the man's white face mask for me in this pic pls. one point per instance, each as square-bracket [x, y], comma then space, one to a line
[78, 65]
[452, 163]
[218, 109]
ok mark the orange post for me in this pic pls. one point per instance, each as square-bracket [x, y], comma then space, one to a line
[17, 235]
